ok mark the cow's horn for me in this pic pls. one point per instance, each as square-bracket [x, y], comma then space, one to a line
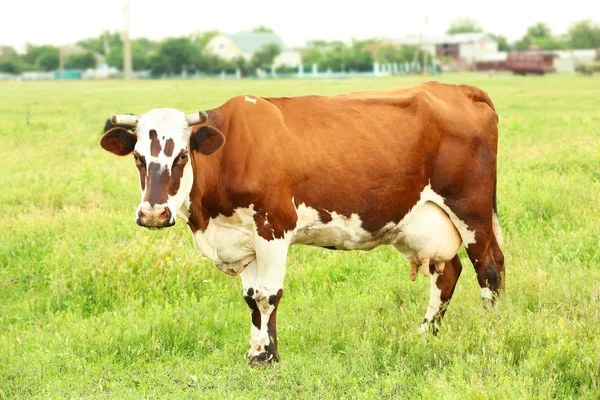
[196, 118]
[124, 120]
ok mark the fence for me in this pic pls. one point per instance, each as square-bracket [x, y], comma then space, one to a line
[313, 72]
[301, 71]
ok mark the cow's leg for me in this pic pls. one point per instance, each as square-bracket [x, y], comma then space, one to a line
[442, 288]
[488, 260]
[262, 283]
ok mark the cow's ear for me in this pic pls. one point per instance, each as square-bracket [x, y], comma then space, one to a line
[118, 141]
[206, 140]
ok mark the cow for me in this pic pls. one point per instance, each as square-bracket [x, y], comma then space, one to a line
[414, 168]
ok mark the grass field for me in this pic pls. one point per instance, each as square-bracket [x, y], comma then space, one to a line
[92, 306]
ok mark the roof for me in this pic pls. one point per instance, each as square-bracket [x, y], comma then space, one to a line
[452, 39]
[489, 57]
[251, 42]
[466, 37]
[583, 55]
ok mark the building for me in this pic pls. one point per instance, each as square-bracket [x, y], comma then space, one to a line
[464, 49]
[567, 60]
[231, 46]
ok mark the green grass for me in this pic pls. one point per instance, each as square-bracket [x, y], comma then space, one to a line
[92, 306]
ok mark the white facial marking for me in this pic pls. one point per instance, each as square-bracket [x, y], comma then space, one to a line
[249, 99]
[169, 125]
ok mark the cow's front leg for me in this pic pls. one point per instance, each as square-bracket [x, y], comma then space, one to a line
[262, 283]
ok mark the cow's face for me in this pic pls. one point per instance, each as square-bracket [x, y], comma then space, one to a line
[161, 146]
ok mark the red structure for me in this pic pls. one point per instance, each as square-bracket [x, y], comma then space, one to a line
[530, 63]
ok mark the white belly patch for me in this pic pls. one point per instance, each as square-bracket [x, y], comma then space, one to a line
[429, 231]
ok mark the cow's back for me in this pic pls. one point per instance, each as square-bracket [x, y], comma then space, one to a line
[369, 153]
[372, 153]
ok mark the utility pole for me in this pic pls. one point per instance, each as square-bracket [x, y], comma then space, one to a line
[127, 67]
[105, 43]
[425, 53]
[416, 55]
[61, 62]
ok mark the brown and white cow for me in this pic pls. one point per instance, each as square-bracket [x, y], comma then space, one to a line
[414, 168]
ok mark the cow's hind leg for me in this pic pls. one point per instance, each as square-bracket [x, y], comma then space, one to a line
[488, 260]
[262, 283]
[442, 288]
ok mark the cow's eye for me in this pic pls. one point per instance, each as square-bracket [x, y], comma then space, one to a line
[183, 157]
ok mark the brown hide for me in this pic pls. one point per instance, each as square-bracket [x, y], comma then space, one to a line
[369, 153]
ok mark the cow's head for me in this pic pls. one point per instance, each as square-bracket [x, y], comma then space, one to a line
[161, 142]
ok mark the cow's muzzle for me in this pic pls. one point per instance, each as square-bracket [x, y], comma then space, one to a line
[155, 217]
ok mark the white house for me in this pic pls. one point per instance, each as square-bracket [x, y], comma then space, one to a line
[566, 60]
[230, 46]
[467, 47]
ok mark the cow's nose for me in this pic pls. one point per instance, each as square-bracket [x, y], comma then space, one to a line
[156, 216]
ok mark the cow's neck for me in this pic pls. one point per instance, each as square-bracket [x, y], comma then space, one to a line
[205, 194]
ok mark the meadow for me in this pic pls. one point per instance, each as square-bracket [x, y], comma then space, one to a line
[93, 306]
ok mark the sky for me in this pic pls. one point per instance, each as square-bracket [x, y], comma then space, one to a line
[60, 22]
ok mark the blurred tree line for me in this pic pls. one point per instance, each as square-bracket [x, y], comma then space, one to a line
[174, 55]
[583, 34]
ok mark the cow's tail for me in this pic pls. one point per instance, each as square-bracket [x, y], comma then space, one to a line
[495, 222]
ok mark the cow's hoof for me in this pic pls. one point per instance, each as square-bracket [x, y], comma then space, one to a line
[429, 327]
[261, 360]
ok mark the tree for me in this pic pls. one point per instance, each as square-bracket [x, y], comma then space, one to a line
[81, 61]
[175, 54]
[243, 65]
[584, 35]
[48, 60]
[33, 52]
[10, 66]
[98, 44]
[262, 29]
[94, 45]
[549, 43]
[341, 57]
[539, 30]
[201, 39]
[502, 42]
[317, 43]
[357, 58]
[540, 36]
[264, 57]
[312, 56]
[390, 54]
[463, 25]
[334, 57]
[408, 54]
[140, 54]
[10, 62]
[8, 53]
